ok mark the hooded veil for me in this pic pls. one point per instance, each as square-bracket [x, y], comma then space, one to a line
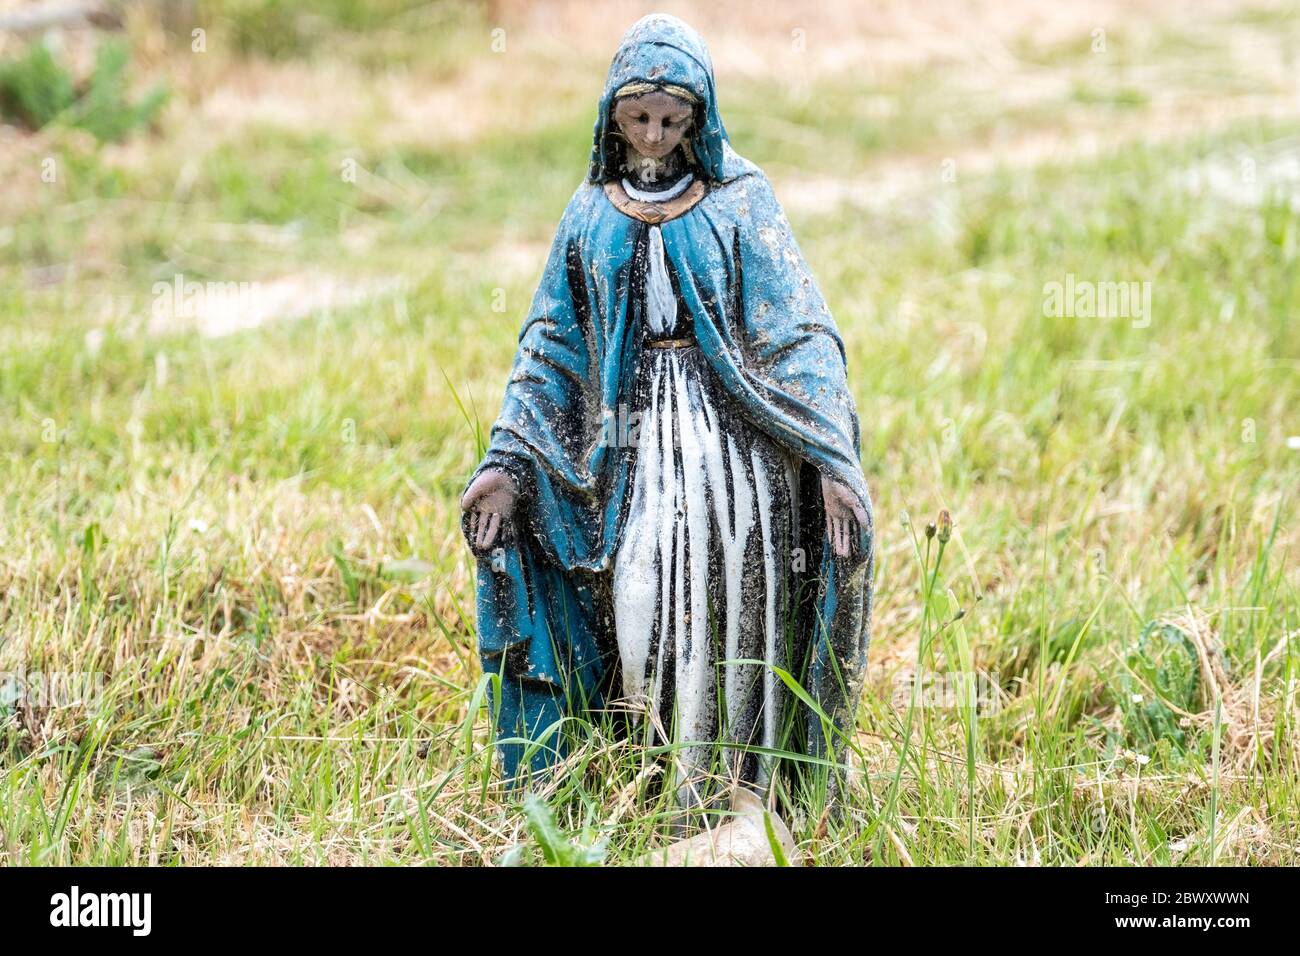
[764, 328]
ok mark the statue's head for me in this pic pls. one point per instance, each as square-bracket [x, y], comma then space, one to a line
[659, 97]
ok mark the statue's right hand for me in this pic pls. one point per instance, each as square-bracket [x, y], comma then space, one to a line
[488, 502]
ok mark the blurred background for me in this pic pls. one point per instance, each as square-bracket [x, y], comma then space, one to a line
[262, 266]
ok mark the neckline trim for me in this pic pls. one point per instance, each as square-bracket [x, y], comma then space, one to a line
[658, 211]
[663, 195]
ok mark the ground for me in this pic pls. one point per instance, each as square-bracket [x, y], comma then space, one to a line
[235, 506]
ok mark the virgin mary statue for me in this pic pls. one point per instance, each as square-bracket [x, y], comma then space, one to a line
[672, 513]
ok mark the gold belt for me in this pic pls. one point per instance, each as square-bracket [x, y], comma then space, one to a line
[670, 344]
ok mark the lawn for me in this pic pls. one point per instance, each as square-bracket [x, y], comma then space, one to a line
[234, 510]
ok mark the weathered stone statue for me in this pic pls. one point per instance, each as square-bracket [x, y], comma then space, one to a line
[672, 504]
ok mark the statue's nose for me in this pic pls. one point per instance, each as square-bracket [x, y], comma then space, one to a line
[654, 134]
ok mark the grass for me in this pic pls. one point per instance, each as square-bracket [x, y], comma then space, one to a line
[211, 523]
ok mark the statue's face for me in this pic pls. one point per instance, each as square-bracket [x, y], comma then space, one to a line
[654, 123]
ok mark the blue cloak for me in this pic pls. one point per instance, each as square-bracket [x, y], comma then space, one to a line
[764, 327]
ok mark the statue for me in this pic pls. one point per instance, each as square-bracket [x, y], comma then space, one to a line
[672, 505]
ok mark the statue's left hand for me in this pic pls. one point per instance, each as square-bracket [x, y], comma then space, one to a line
[845, 517]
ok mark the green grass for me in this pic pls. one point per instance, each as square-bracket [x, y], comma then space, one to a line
[210, 522]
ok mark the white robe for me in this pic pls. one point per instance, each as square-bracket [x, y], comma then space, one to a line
[701, 570]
